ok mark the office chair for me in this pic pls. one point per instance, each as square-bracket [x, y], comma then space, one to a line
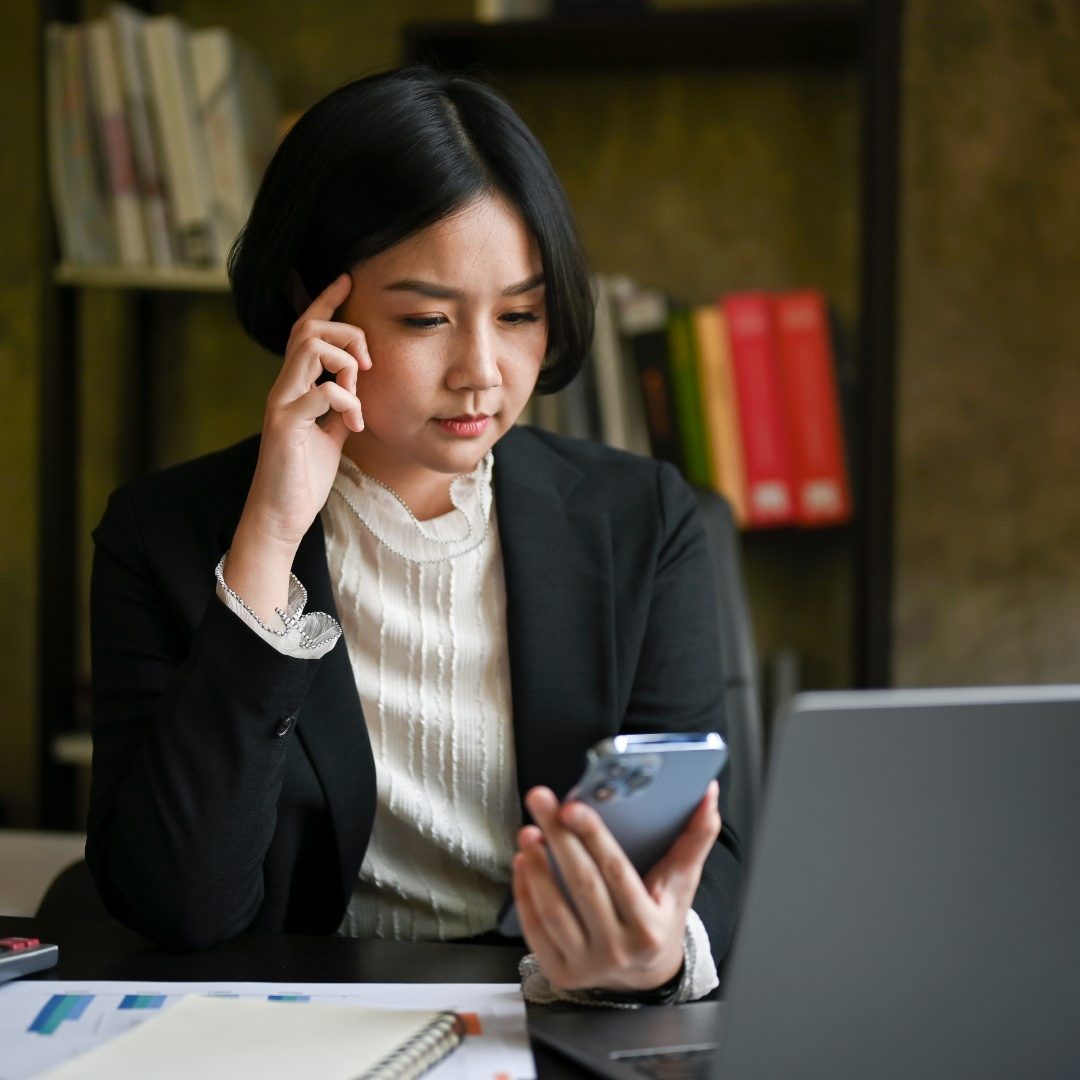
[739, 796]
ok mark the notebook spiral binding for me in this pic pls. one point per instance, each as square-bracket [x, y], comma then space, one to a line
[421, 1052]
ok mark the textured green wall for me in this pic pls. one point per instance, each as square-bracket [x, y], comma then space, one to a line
[21, 261]
[988, 527]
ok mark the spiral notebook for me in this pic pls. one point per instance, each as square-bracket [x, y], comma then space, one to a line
[221, 1038]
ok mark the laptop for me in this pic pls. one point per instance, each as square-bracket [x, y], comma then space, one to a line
[913, 909]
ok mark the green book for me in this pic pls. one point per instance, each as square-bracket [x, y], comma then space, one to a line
[686, 390]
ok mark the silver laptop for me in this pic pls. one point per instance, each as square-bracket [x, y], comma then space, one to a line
[914, 904]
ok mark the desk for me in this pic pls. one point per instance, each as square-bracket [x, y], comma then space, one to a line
[107, 951]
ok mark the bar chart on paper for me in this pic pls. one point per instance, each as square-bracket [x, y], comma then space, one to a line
[45, 1023]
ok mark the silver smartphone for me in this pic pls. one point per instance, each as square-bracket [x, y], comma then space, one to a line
[645, 788]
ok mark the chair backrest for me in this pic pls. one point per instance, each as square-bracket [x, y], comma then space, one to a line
[740, 796]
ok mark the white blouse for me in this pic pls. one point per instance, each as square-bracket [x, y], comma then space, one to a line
[423, 608]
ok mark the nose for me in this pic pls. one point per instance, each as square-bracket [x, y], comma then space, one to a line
[475, 363]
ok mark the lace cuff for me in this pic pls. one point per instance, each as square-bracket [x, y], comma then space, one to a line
[305, 636]
[698, 977]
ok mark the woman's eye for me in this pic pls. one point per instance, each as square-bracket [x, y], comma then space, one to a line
[516, 317]
[423, 322]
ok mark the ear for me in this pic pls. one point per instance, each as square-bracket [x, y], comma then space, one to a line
[297, 293]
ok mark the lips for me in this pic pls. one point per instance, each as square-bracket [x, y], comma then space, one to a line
[465, 426]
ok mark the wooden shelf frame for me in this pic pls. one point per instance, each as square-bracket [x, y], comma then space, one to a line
[782, 34]
[181, 279]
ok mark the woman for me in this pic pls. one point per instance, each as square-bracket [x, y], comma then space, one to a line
[507, 597]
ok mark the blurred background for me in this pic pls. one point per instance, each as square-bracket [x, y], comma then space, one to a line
[918, 163]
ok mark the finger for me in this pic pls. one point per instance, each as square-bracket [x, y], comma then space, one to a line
[344, 335]
[306, 365]
[579, 871]
[330, 299]
[325, 397]
[559, 920]
[625, 897]
[679, 871]
[541, 941]
[333, 423]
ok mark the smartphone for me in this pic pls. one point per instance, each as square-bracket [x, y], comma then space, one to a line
[645, 789]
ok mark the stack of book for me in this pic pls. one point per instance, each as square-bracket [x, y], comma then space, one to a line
[740, 394]
[158, 135]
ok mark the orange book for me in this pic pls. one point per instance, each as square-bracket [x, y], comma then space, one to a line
[808, 375]
[720, 407]
[762, 414]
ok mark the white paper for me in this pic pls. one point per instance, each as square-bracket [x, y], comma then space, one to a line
[46, 1023]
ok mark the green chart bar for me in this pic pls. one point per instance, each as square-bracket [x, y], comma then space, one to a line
[57, 1009]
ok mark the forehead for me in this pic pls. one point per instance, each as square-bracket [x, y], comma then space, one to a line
[486, 243]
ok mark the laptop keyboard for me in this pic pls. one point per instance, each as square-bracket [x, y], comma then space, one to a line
[690, 1064]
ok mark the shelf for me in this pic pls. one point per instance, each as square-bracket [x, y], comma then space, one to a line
[184, 279]
[73, 748]
[743, 35]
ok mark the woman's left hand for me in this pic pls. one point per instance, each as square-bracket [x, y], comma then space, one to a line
[626, 933]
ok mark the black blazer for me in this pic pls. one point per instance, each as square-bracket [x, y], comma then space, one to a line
[234, 788]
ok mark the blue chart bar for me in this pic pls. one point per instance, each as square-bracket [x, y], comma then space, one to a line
[57, 1009]
[142, 1001]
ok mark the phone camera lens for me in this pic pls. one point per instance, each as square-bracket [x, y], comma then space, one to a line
[638, 779]
[603, 792]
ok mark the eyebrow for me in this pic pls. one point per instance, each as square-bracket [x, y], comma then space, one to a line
[444, 292]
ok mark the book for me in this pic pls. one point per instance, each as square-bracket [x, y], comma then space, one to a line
[237, 106]
[808, 377]
[762, 413]
[720, 406]
[76, 180]
[126, 23]
[185, 157]
[59, 146]
[622, 414]
[107, 104]
[643, 316]
[216, 1038]
[682, 365]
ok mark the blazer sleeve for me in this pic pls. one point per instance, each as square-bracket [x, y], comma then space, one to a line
[190, 736]
[678, 684]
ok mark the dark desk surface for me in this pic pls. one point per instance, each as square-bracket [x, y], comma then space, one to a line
[107, 951]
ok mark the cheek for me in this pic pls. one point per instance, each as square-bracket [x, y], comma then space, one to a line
[400, 366]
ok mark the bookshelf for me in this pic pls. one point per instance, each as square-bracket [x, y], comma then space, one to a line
[860, 37]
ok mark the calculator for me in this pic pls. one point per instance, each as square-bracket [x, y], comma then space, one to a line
[25, 955]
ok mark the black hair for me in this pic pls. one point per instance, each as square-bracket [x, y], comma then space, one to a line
[383, 157]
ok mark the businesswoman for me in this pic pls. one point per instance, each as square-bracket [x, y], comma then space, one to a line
[343, 670]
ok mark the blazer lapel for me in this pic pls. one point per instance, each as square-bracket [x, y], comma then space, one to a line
[560, 611]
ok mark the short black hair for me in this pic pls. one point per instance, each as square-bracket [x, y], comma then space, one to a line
[383, 157]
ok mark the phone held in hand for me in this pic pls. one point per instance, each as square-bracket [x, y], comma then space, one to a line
[645, 789]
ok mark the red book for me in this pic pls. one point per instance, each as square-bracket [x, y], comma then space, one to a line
[808, 370]
[762, 413]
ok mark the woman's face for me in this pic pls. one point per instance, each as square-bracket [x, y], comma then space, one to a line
[456, 325]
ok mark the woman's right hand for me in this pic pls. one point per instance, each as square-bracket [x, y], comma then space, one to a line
[304, 429]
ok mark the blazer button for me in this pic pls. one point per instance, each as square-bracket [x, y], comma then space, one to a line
[285, 725]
